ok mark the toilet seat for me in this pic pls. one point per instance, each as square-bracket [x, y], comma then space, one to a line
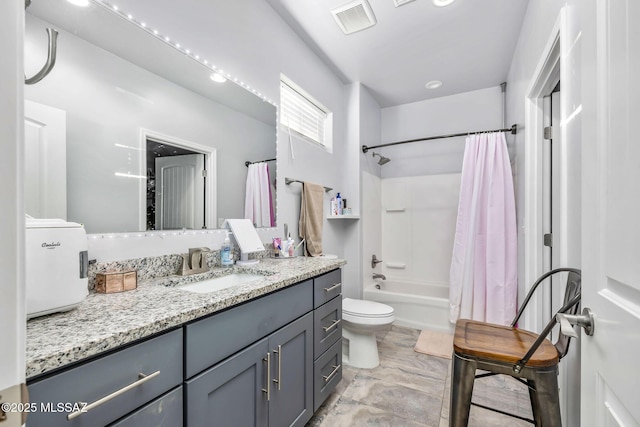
[366, 312]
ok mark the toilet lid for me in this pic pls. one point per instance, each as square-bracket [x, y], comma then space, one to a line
[363, 308]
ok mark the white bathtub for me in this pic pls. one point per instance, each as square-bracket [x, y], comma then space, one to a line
[415, 305]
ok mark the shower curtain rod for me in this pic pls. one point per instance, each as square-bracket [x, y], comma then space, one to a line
[513, 129]
[247, 163]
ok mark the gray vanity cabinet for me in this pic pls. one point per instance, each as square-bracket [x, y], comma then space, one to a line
[291, 394]
[268, 384]
[113, 385]
[231, 393]
[269, 362]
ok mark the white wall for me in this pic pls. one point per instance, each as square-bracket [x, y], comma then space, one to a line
[12, 303]
[418, 227]
[369, 125]
[465, 112]
[109, 100]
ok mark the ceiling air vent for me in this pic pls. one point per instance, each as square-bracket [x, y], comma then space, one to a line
[399, 3]
[354, 16]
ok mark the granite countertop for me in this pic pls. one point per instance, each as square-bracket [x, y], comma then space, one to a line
[106, 321]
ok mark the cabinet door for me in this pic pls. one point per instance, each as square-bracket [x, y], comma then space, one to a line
[291, 402]
[231, 393]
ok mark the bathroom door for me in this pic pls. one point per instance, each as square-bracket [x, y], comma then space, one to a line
[45, 142]
[180, 192]
[610, 212]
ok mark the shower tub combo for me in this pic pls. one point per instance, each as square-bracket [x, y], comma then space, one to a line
[415, 305]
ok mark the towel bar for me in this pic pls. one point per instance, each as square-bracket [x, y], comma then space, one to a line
[290, 180]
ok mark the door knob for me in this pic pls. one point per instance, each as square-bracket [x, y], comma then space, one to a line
[584, 320]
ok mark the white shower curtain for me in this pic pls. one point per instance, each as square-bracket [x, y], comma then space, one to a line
[483, 276]
[258, 206]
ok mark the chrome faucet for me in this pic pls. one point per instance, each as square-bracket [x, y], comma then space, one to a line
[379, 276]
[374, 261]
[194, 262]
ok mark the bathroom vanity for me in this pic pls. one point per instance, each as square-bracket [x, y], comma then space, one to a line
[267, 353]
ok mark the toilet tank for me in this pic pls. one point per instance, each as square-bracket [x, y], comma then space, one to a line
[56, 265]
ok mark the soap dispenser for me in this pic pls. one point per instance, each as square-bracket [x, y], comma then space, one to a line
[226, 253]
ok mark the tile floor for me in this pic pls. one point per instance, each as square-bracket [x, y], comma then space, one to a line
[412, 389]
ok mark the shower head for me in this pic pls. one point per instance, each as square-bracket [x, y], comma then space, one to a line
[383, 160]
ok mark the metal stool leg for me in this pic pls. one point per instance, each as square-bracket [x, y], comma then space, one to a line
[462, 378]
[535, 408]
[547, 398]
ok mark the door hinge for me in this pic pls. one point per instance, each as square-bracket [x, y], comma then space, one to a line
[204, 173]
[14, 405]
[548, 132]
[548, 240]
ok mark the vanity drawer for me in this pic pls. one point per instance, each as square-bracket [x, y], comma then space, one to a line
[327, 287]
[215, 338]
[327, 373]
[165, 411]
[327, 326]
[159, 358]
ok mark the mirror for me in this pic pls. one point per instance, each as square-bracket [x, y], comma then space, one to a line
[119, 89]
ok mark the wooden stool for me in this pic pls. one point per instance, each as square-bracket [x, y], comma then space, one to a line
[530, 358]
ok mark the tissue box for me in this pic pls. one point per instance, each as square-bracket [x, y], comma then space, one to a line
[107, 283]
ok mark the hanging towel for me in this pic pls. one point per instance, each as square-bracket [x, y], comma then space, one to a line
[257, 202]
[310, 225]
[483, 276]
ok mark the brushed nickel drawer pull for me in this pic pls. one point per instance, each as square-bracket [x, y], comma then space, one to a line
[333, 373]
[268, 389]
[331, 326]
[279, 380]
[142, 378]
[335, 286]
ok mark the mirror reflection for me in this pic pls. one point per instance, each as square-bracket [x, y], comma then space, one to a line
[128, 133]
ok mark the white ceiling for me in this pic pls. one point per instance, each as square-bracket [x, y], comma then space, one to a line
[468, 45]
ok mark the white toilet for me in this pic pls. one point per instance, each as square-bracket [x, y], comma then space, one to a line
[360, 321]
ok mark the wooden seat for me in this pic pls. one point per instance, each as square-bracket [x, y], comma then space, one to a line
[529, 357]
[503, 344]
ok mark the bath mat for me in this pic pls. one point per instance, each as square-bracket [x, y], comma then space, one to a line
[435, 344]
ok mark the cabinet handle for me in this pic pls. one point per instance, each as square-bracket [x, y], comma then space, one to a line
[333, 373]
[268, 389]
[335, 286]
[331, 326]
[142, 379]
[279, 380]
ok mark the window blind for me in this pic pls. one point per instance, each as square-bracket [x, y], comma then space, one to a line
[302, 115]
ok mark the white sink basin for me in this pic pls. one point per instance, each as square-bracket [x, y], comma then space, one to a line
[220, 283]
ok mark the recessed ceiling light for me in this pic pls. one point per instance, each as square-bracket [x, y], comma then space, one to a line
[218, 78]
[433, 84]
[83, 3]
[442, 3]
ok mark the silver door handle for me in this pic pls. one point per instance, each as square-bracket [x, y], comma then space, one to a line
[279, 380]
[335, 286]
[584, 320]
[268, 389]
[142, 379]
[331, 326]
[328, 378]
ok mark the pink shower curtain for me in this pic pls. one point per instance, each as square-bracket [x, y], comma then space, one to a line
[258, 205]
[483, 276]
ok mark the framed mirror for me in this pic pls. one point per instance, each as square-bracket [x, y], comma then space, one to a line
[119, 100]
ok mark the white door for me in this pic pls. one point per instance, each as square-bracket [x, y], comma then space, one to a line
[180, 192]
[45, 153]
[610, 208]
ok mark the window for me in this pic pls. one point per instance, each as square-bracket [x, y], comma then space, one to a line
[303, 115]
